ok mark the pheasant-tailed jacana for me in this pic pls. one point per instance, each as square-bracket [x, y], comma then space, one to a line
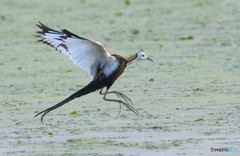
[90, 55]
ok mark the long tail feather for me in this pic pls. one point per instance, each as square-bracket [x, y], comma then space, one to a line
[91, 87]
[70, 98]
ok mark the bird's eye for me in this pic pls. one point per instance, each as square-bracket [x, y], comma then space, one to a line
[143, 55]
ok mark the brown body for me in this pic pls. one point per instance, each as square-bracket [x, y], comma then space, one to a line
[113, 77]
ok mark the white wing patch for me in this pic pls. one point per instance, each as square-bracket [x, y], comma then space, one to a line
[87, 54]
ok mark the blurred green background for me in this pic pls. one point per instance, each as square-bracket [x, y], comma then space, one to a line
[188, 98]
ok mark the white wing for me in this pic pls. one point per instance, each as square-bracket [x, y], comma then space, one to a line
[87, 54]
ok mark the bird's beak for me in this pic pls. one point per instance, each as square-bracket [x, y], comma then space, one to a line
[149, 59]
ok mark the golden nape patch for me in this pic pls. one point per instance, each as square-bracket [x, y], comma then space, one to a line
[130, 58]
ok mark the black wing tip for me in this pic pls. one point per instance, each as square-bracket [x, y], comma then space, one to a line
[44, 28]
[70, 34]
[40, 25]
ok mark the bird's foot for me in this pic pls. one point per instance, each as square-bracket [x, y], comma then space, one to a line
[127, 101]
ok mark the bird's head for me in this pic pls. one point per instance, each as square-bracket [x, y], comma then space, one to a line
[138, 56]
[142, 56]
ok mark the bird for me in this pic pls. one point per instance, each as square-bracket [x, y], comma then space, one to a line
[102, 67]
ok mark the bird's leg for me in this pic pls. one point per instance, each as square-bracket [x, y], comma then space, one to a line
[120, 104]
[120, 101]
[119, 94]
[101, 92]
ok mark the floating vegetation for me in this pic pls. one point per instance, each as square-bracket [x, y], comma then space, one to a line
[209, 39]
[77, 140]
[220, 118]
[200, 3]
[200, 119]
[151, 79]
[119, 14]
[136, 32]
[157, 127]
[19, 141]
[225, 44]
[127, 2]
[3, 17]
[187, 38]
[198, 89]
[175, 143]
[74, 112]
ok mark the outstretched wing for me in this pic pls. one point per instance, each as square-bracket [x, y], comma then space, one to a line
[87, 54]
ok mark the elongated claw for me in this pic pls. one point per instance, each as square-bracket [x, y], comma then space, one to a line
[125, 97]
[131, 108]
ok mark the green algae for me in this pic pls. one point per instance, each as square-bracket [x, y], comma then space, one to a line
[188, 99]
